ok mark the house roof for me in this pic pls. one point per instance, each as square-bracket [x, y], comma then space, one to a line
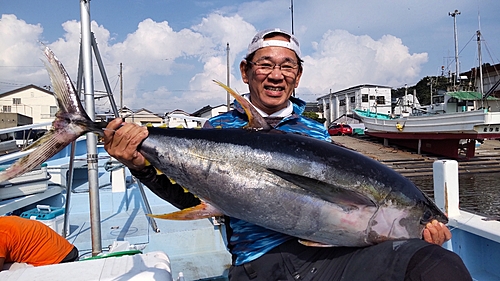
[143, 109]
[208, 108]
[202, 110]
[463, 95]
[26, 88]
[177, 111]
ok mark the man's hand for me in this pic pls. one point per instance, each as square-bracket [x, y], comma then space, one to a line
[121, 141]
[436, 233]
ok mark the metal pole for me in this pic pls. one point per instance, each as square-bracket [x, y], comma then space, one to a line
[152, 221]
[457, 69]
[69, 187]
[69, 179]
[228, 78]
[121, 88]
[406, 98]
[431, 91]
[95, 216]
[481, 89]
[103, 74]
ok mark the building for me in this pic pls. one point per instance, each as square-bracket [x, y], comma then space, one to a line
[211, 111]
[141, 117]
[31, 101]
[365, 97]
[180, 118]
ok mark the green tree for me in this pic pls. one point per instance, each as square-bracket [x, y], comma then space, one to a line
[314, 116]
[423, 88]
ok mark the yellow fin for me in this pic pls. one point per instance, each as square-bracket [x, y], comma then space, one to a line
[255, 120]
[200, 211]
[314, 244]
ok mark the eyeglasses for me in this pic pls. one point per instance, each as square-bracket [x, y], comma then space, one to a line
[265, 67]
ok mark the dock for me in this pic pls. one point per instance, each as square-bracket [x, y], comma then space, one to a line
[410, 164]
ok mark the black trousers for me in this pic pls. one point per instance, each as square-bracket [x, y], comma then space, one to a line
[72, 256]
[406, 260]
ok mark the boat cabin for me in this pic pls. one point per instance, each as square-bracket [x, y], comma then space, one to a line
[460, 101]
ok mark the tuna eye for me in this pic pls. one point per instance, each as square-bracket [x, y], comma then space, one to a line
[426, 217]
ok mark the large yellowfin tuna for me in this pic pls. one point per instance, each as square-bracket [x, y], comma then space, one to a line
[286, 182]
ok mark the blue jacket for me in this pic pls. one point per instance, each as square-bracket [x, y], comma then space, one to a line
[247, 241]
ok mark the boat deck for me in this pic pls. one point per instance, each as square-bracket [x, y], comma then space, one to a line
[195, 248]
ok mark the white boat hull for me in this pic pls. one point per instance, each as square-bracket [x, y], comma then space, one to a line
[480, 123]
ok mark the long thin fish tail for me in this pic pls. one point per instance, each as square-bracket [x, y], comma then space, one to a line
[71, 122]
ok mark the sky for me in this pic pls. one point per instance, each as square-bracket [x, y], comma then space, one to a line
[171, 51]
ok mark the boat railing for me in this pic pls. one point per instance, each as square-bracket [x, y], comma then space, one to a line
[9, 157]
[474, 237]
[25, 127]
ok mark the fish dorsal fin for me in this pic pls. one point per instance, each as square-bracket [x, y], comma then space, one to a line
[345, 198]
[255, 120]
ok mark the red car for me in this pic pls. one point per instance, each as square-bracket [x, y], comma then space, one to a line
[340, 130]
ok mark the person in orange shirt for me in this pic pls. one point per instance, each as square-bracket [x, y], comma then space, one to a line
[32, 242]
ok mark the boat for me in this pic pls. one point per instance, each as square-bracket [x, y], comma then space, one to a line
[137, 247]
[117, 241]
[97, 205]
[452, 135]
[452, 125]
[475, 238]
[194, 250]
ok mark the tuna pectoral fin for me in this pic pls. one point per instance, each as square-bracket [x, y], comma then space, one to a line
[345, 198]
[200, 211]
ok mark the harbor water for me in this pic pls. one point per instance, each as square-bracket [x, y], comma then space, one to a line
[479, 193]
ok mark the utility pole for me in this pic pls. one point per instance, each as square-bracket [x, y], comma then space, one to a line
[457, 70]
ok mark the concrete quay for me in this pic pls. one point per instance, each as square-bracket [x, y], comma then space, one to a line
[410, 164]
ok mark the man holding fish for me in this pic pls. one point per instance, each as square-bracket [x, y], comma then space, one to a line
[272, 69]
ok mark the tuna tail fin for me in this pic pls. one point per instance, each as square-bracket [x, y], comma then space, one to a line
[255, 120]
[71, 122]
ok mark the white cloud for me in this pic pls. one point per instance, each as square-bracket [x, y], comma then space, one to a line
[18, 50]
[165, 69]
[342, 60]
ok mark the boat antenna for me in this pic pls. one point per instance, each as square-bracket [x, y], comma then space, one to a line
[457, 71]
[480, 58]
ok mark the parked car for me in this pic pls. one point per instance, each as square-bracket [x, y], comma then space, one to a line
[340, 129]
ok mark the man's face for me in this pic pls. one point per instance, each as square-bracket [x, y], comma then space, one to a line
[270, 92]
